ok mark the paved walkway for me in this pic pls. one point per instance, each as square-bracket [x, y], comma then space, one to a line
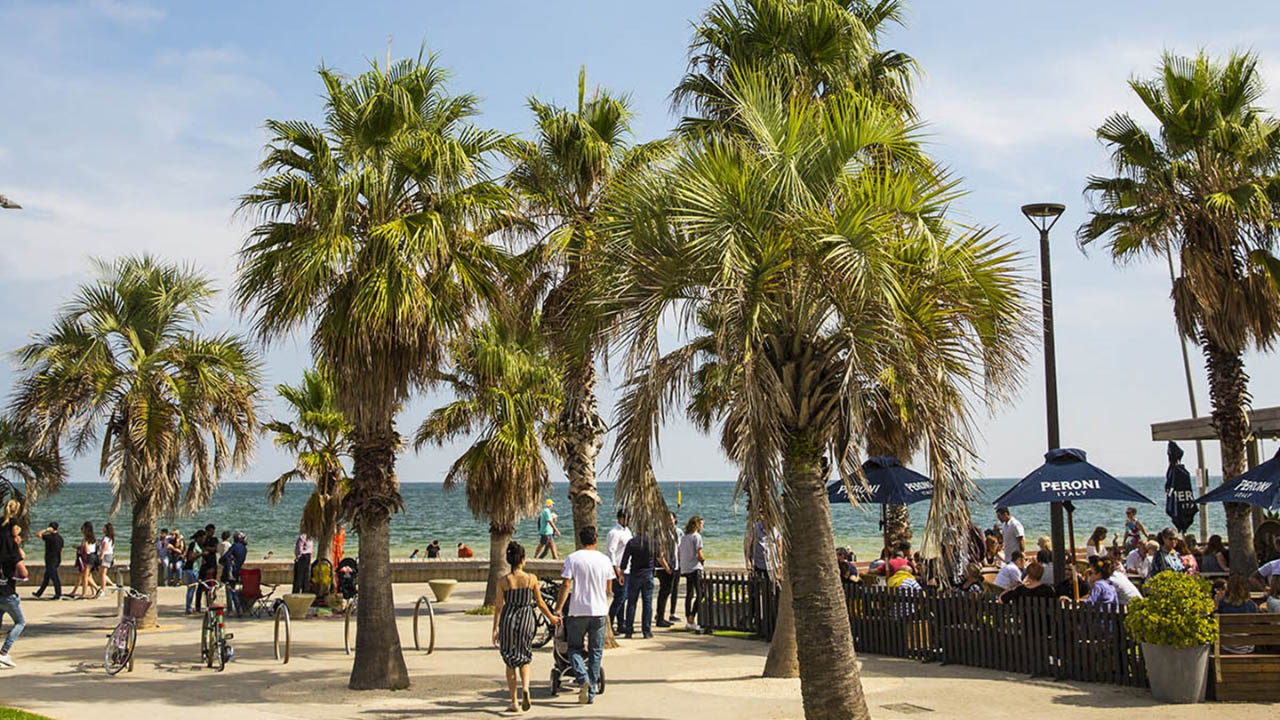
[675, 675]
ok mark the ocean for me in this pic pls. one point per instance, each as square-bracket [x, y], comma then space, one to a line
[432, 513]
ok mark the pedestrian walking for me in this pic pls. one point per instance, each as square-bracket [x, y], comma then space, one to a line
[52, 560]
[514, 623]
[691, 560]
[588, 577]
[669, 575]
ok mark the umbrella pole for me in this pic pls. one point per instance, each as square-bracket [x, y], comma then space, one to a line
[1071, 532]
[884, 536]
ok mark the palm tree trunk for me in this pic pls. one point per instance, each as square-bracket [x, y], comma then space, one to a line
[499, 536]
[897, 524]
[1229, 394]
[142, 557]
[582, 436]
[829, 680]
[782, 661]
[379, 662]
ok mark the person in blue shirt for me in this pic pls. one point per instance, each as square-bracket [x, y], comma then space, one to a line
[1102, 594]
[547, 531]
[232, 562]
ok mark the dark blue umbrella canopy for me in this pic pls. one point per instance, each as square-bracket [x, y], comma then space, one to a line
[1066, 476]
[888, 483]
[1259, 486]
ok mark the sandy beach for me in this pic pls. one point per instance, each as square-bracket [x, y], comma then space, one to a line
[675, 675]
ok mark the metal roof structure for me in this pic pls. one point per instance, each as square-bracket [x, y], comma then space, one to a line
[1264, 423]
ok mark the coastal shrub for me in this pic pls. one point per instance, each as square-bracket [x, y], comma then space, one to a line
[482, 610]
[1176, 610]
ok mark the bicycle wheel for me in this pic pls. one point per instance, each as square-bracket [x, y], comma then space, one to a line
[119, 648]
[282, 613]
[206, 639]
[219, 648]
[350, 623]
[431, 618]
[542, 631]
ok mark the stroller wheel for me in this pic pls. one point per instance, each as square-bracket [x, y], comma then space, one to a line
[555, 682]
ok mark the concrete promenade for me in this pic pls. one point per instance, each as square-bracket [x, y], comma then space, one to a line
[675, 675]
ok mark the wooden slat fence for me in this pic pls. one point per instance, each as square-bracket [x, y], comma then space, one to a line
[1036, 636]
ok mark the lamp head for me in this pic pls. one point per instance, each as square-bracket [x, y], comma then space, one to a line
[1043, 215]
[8, 204]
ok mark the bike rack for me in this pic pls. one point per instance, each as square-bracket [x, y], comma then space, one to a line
[282, 612]
[347, 624]
[431, 615]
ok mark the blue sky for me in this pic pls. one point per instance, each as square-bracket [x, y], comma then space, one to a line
[128, 127]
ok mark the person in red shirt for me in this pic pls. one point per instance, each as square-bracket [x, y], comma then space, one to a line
[464, 551]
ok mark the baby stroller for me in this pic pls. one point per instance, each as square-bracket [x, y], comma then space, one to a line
[561, 668]
[347, 572]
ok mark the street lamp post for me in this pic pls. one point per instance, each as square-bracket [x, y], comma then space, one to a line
[1043, 216]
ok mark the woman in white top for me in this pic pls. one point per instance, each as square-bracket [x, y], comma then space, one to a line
[690, 561]
[1097, 546]
[106, 555]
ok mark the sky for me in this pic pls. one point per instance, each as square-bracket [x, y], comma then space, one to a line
[130, 127]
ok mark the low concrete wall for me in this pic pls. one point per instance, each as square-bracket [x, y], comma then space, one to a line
[281, 571]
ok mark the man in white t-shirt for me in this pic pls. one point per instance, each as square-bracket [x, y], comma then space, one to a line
[1138, 561]
[615, 544]
[1015, 538]
[1011, 574]
[588, 576]
[1266, 570]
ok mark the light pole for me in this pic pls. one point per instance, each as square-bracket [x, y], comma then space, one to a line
[1044, 216]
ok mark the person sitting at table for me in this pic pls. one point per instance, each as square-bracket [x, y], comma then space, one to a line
[1045, 558]
[1262, 578]
[993, 557]
[1064, 586]
[1097, 545]
[1102, 594]
[1125, 588]
[845, 561]
[1166, 557]
[1032, 585]
[972, 580]
[1213, 559]
[1235, 599]
[1272, 603]
[1138, 562]
[904, 581]
[1189, 564]
[1011, 573]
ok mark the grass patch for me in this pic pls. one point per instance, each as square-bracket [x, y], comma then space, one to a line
[12, 714]
[482, 610]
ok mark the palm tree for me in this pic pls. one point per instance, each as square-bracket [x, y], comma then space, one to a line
[319, 442]
[22, 459]
[372, 235]
[1205, 187]
[123, 365]
[818, 48]
[562, 177]
[508, 390]
[814, 246]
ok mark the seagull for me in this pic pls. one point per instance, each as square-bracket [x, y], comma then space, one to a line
[8, 204]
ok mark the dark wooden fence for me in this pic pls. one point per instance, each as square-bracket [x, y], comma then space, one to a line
[1035, 636]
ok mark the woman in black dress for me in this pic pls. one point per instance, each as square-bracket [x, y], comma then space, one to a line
[514, 623]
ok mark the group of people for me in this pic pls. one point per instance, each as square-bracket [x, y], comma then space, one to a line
[599, 588]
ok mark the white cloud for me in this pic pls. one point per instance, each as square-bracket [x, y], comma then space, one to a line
[130, 13]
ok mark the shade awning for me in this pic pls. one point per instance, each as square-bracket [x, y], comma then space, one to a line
[1259, 486]
[1065, 476]
[888, 483]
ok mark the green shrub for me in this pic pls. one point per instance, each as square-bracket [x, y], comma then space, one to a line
[482, 610]
[1176, 610]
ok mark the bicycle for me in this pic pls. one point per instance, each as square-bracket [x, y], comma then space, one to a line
[215, 645]
[120, 643]
[350, 624]
[542, 630]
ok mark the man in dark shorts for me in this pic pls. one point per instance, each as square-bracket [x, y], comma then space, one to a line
[52, 560]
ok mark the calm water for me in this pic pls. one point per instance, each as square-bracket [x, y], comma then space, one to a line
[433, 513]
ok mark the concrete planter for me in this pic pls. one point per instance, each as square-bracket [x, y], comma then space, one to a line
[299, 603]
[1177, 675]
[442, 588]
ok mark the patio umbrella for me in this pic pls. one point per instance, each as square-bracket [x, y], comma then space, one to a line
[888, 483]
[1067, 476]
[1259, 486]
[1179, 499]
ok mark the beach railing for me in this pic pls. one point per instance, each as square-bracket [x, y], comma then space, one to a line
[1036, 636]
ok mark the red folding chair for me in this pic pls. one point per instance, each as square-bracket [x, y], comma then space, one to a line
[251, 592]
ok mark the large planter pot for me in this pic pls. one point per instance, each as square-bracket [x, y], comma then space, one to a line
[1177, 675]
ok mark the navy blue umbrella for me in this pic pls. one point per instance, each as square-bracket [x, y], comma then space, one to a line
[888, 483]
[1259, 486]
[1179, 499]
[1067, 476]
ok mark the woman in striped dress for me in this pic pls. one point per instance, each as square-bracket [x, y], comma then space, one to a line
[514, 623]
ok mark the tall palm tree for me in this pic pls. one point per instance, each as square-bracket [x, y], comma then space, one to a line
[372, 235]
[1205, 186]
[817, 48]
[508, 390]
[39, 469]
[123, 365]
[562, 177]
[815, 241]
[318, 438]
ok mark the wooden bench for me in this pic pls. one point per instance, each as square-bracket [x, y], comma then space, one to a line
[1255, 676]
